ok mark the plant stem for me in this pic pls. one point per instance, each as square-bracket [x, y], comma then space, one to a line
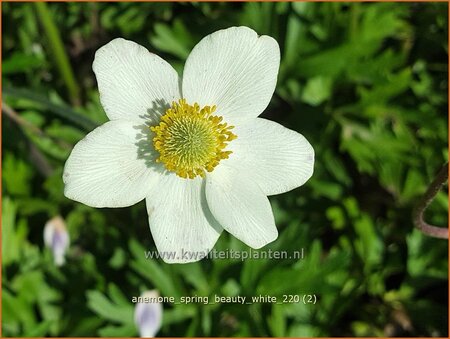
[354, 20]
[433, 189]
[60, 55]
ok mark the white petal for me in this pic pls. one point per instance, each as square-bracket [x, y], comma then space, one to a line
[148, 315]
[240, 207]
[49, 231]
[233, 69]
[133, 82]
[113, 166]
[181, 224]
[275, 157]
[59, 256]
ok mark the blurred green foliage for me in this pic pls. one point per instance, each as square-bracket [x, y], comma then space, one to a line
[366, 83]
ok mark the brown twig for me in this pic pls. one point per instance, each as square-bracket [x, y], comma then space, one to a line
[433, 189]
[36, 156]
[12, 114]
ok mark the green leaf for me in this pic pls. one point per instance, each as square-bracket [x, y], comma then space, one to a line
[317, 90]
[20, 63]
[277, 321]
[11, 243]
[117, 296]
[39, 331]
[16, 175]
[175, 40]
[123, 331]
[152, 271]
[102, 306]
[193, 273]
[64, 112]
[178, 314]
[118, 259]
[369, 245]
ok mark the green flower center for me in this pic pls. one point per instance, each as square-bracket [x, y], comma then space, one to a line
[190, 140]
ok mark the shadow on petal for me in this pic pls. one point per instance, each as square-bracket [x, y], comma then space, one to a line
[144, 136]
[207, 212]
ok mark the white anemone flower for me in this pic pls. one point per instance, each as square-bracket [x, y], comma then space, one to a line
[56, 238]
[193, 147]
[148, 314]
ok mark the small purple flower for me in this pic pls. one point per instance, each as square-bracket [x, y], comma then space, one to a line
[148, 314]
[56, 238]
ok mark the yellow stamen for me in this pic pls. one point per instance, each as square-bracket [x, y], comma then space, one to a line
[190, 139]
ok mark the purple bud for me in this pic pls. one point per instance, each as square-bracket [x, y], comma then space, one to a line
[148, 314]
[56, 238]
